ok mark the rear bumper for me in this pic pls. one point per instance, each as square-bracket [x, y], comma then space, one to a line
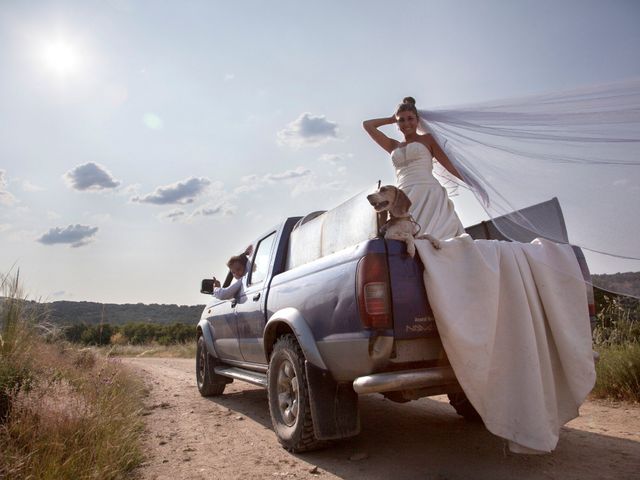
[405, 380]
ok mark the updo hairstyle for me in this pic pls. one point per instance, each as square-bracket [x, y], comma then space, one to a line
[408, 105]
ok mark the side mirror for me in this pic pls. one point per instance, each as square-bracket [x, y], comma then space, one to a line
[207, 286]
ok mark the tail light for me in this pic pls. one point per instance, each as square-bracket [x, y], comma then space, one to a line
[372, 287]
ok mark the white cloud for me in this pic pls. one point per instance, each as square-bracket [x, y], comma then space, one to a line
[173, 215]
[180, 193]
[90, 177]
[75, 235]
[27, 186]
[229, 76]
[6, 198]
[335, 158]
[5, 227]
[313, 184]
[254, 182]
[308, 130]
[221, 209]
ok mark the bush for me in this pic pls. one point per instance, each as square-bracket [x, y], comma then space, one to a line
[617, 339]
[66, 412]
[618, 372]
[15, 366]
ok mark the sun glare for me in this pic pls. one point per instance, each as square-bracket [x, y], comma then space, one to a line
[61, 57]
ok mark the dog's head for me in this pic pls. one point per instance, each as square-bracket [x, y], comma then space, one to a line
[392, 199]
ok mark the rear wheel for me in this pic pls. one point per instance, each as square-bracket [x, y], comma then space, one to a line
[289, 397]
[463, 407]
[209, 383]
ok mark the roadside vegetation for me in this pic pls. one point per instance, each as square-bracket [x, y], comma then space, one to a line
[65, 412]
[617, 340]
[138, 339]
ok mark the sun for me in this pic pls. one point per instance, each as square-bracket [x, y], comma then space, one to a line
[61, 57]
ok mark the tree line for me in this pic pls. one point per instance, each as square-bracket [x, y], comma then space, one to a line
[130, 333]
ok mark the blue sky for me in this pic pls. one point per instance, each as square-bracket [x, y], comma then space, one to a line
[142, 143]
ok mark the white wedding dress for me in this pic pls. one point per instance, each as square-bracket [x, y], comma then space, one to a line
[512, 316]
[431, 207]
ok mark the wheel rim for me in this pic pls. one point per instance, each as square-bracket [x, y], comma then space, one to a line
[288, 393]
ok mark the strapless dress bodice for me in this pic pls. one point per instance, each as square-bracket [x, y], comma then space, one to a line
[414, 164]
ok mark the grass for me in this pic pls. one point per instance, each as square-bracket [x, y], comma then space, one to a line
[617, 340]
[179, 350]
[69, 413]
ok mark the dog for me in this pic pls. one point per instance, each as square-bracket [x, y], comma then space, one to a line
[401, 226]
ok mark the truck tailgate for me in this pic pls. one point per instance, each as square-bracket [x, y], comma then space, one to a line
[412, 316]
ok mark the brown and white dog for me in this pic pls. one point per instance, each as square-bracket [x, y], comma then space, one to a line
[401, 226]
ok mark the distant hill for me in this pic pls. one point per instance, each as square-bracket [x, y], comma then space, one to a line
[91, 313]
[619, 282]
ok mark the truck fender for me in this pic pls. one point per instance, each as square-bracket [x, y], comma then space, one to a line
[296, 322]
[203, 326]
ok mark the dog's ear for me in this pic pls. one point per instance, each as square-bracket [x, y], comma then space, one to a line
[401, 204]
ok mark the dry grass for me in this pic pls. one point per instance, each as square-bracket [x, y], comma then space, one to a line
[180, 350]
[71, 414]
[617, 340]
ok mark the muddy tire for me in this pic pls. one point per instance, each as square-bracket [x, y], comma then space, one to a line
[289, 397]
[463, 407]
[209, 383]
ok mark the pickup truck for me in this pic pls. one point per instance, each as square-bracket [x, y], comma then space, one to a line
[330, 310]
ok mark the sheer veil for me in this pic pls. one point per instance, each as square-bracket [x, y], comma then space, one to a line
[581, 147]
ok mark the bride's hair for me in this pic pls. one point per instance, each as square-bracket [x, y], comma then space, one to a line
[408, 105]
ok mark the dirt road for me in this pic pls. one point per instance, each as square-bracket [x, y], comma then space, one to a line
[229, 437]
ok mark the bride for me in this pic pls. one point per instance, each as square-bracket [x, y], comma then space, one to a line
[431, 208]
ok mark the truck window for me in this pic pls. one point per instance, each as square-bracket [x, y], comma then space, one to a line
[260, 266]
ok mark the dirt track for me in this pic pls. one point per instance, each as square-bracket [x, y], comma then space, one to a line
[191, 437]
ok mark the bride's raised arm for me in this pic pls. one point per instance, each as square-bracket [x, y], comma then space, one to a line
[372, 125]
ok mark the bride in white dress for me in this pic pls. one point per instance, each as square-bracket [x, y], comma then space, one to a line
[512, 317]
[431, 208]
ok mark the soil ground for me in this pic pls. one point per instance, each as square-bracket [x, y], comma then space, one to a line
[229, 437]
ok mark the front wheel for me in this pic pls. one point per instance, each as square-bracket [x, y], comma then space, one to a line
[289, 397]
[209, 383]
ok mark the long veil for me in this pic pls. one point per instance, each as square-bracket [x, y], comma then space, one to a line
[581, 147]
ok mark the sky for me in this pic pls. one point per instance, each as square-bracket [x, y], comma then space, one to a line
[142, 143]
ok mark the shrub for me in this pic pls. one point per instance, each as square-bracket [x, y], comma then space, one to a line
[617, 339]
[618, 372]
[67, 413]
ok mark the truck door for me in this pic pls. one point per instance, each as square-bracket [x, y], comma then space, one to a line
[250, 309]
[221, 316]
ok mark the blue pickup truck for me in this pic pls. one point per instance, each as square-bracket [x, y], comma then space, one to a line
[328, 311]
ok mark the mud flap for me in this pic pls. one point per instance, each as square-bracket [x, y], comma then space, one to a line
[334, 406]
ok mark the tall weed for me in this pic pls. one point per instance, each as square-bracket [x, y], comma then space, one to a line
[73, 414]
[617, 339]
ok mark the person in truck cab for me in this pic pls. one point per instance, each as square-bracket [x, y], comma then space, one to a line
[238, 264]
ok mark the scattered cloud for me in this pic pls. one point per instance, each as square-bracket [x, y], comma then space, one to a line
[308, 130]
[180, 193]
[51, 215]
[229, 76]
[90, 177]
[312, 184]
[222, 209]
[253, 181]
[335, 158]
[27, 186]
[75, 235]
[173, 215]
[6, 198]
